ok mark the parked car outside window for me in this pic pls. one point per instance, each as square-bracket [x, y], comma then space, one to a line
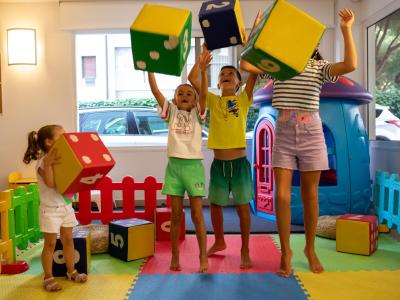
[387, 124]
[127, 126]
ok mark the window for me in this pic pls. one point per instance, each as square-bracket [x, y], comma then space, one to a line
[90, 122]
[150, 123]
[105, 61]
[106, 77]
[384, 75]
[116, 125]
[89, 69]
[107, 122]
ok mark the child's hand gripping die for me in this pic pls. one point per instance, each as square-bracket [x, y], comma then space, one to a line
[160, 38]
[84, 161]
[283, 41]
[222, 23]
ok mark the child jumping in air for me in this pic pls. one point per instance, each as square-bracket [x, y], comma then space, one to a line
[300, 143]
[56, 215]
[185, 171]
[230, 170]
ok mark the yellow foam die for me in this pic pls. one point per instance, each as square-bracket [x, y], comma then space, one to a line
[239, 19]
[290, 35]
[152, 19]
[140, 241]
[64, 176]
[352, 237]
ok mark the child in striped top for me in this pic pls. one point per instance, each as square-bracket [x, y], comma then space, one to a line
[300, 143]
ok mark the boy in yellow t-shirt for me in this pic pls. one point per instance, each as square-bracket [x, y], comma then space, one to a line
[230, 170]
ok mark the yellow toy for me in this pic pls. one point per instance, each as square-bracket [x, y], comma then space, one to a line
[81, 238]
[283, 41]
[6, 250]
[84, 161]
[160, 38]
[131, 239]
[357, 234]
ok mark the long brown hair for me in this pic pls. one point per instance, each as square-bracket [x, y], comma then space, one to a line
[36, 142]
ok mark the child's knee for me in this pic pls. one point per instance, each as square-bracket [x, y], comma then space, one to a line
[49, 244]
[176, 216]
[283, 197]
[67, 241]
[197, 216]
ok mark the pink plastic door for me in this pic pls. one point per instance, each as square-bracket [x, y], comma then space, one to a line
[263, 168]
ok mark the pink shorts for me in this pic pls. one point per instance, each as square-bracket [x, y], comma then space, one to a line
[300, 146]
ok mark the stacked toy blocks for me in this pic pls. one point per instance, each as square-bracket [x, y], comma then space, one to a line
[163, 224]
[82, 253]
[160, 38]
[357, 234]
[84, 161]
[131, 239]
[222, 23]
[283, 41]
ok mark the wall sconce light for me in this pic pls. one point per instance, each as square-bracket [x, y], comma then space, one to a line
[21, 44]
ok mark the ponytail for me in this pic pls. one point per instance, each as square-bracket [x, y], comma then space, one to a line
[36, 142]
[33, 150]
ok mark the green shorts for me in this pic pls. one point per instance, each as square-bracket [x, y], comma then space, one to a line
[230, 176]
[184, 175]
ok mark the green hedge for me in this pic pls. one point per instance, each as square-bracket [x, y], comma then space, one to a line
[391, 98]
[151, 102]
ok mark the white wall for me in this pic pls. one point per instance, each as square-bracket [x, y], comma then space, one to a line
[43, 94]
[34, 95]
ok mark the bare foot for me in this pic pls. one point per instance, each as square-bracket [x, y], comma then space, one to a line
[285, 269]
[245, 261]
[216, 248]
[175, 266]
[313, 261]
[203, 264]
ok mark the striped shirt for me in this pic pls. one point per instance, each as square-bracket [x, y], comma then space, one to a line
[302, 91]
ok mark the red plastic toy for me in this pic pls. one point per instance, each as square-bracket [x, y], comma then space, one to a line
[18, 267]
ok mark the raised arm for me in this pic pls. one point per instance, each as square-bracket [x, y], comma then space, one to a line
[154, 89]
[349, 64]
[250, 83]
[194, 72]
[46, 171]
[244, 65]
[203, 64]
[194, 77]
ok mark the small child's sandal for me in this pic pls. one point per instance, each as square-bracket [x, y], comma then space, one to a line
[51, 285]
[77, 277]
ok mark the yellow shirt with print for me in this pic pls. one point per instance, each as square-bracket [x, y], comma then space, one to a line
[228, 118]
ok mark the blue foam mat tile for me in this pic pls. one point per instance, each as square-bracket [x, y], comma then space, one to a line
[216, 287]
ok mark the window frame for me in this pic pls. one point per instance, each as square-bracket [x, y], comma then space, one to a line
[108, 55]
[369, 113]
